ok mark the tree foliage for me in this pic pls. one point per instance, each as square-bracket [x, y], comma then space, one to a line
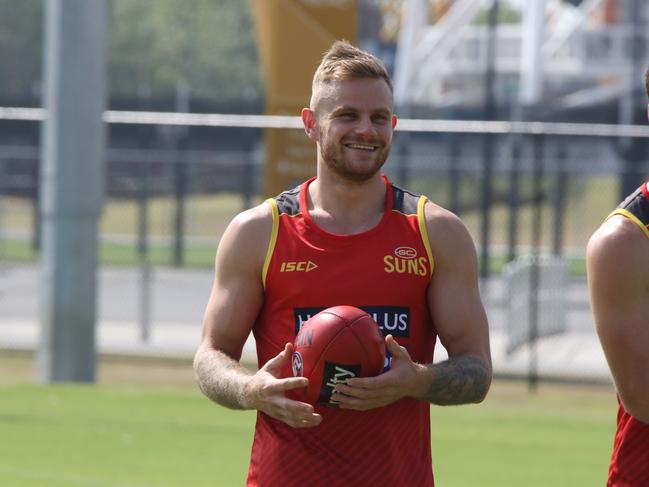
[21, 39]
[153, 45]
[205, 44]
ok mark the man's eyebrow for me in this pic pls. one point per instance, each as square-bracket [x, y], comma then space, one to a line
[349, 108]
[345, 108]
[384, 111]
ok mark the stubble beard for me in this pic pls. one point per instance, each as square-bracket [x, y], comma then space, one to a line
[336, 163]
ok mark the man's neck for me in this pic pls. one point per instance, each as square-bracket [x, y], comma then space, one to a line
[346, 207]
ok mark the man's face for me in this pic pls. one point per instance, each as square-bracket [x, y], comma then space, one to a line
[353, 126]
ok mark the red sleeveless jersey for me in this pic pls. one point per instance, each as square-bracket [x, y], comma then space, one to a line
[384, 271]
[630, 460]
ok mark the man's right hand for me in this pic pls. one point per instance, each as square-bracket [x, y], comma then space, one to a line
[265, 392]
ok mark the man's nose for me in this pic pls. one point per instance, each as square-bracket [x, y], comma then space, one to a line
[365, 127]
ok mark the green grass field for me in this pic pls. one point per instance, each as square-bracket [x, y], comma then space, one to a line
[145, 424]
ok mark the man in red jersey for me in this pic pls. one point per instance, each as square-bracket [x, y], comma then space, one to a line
[347, 236]
[618, 279]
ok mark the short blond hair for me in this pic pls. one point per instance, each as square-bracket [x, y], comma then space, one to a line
[342, 62]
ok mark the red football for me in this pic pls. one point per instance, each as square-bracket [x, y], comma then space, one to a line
[336, 344]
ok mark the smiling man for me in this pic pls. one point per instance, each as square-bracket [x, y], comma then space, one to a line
[347, 236]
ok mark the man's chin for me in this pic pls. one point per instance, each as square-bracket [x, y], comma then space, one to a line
[356, 171]
[357, 176]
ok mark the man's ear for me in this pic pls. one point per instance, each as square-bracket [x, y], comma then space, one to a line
[394, 121]
[308, 120]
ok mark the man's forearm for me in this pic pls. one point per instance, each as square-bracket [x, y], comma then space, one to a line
[458, 380]
[221, 378]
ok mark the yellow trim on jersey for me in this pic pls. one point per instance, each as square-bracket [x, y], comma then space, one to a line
[402, 213]
[273, 239]
[421, 219]
[632, 217]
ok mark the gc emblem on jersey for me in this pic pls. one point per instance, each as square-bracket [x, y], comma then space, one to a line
[405, 252]
[297, 365]
[405, 261]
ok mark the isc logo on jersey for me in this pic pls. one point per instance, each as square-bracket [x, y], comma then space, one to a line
[405, 261]
[298, 266]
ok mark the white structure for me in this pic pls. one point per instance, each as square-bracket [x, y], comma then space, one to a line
[575, 55]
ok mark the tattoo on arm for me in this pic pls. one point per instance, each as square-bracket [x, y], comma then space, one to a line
[221, 378]
[459, 380]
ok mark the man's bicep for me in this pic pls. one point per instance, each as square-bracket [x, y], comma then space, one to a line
[615, 284]
[237, 293]
[618, 288]
[230, 314]
[454, 298]
[459, 318]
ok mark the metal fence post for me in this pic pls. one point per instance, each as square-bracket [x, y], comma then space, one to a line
[537, 222]
[561, 187]
[514, 199]
[144, 307]
[454, 178]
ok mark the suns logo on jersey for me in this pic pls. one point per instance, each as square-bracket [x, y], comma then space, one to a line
[405, 261]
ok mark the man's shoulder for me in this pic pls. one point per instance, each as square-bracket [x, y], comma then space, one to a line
[255, 216]
[407, 201]
[252, 225]
[620, 246]
[449, 237]
[619, 232]
[442, 219]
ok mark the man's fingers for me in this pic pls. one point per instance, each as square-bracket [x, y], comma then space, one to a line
[349, 402]
[394, 348]
[377, 382]
[281, 385]
[304, 422]
[294, 413]
[360, 391]
[280, 359]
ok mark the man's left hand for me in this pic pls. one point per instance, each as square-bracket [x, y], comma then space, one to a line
[405, 378]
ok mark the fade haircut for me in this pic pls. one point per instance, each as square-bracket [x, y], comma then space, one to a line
[343, 62]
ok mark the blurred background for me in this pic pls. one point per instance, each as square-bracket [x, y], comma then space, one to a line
[527, 118]
[523, 117]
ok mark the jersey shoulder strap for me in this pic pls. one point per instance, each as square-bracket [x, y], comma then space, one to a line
[636, 208]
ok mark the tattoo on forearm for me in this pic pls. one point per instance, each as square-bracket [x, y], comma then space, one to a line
[459, 380]
[221, 378]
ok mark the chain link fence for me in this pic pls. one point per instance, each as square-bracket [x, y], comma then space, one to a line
[535, 196]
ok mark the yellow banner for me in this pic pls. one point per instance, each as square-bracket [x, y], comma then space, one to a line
[292, 35]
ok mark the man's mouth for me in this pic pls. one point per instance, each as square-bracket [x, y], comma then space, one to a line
[364, 147]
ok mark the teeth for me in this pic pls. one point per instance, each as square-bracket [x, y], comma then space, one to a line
[360, 146]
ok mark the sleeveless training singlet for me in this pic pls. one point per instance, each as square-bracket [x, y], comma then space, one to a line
[384, 271]
[630, 460]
